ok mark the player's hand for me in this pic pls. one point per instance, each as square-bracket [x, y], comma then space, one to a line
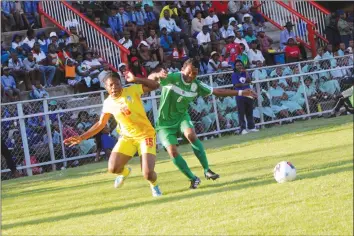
[163, 73]
[72, 141]
[129, 77]
[249, 93]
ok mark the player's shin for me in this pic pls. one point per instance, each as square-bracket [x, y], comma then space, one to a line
[183, 167]
[199, 151]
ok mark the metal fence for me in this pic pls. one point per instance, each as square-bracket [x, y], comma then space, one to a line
[34, 130]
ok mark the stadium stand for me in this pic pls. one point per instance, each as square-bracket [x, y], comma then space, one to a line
[61, 60]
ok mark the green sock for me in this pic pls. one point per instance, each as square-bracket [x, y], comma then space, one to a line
[199, 151]
[183, 167]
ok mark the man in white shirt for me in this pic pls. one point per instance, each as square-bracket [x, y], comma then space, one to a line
[225, 31]
[197, 23]
[240, 40]
[211, 19]
[169, 23]
[29, 40]
[204, 39]
[125, 41]
[41, 59]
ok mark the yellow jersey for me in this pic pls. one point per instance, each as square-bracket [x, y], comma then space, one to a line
[129, 112]
[175, 11]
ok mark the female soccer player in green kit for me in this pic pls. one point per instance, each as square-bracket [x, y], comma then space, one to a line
[178, 90]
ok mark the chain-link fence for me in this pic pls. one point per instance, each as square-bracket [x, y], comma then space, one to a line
[34, 130]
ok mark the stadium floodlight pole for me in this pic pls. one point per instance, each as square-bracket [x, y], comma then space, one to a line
[215, 107]
[24, 138]
[49, 132]
[305, 96]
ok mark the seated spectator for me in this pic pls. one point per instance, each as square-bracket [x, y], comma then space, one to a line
[226, 31]
[42, 40]
[16, 45]
[106, 70]
[122, 68]
[53, 60]
[292, 51]
[11, 19]
[250, 36]
[258, 19]
[172, 67]
[18, 70]
[172, 10]
[168, 22]
[328, 86]
[204, 39]
[341, 50]
[31, 12]
[63, 38]
[154, 44]
[165, 40]
[243, 56]
[74, 36]
[196, 49]
[214, 64]
[113, 22]
[137, 69]
[5, 54]
[280, 98]
[211, 18]
[238, 9]
[240, 40]
[217, 42]
[41, 60]
[351, 46]
[310, 92]
[265, 45]
[247, 23]
[83, 122]
[125, 41]
[139, 16]
[100, 24]
[94, 66]
[179, 53]
[232, 51]
[197, 24]
[28, 42]
[151, 18]
[255, 55]
[32, 68]
[133, 53]
[192, 12]
[260, 73]
[140, 37]
[149, 59]
[8, 84]
[233, 25]
[53, 39]
[38, 91]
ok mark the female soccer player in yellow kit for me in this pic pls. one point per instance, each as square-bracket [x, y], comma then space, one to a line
[137, 133]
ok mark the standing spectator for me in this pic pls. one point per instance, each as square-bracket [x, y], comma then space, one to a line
[265, 44]
[197, 24]
[113, 22]
[18, 70]
[150, 16]
[258, 19]
[292, 51]
[32, 68]
[289, 33]
[240, 40]
[139, 16]
[43, 65]
[126, 42]
[254, 55]
[179, 53]
[345, 30]
[8, 84]
[232, 51]
[31, 11]
[211, 18]
[331, 30]
[241, 81]
[204, 39]
[214, 64]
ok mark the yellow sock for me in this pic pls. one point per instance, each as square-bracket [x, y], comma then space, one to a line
[125, 172]
[153, 184]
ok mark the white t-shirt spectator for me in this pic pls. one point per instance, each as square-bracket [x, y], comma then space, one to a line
[203, 38]
[209, 21]
[30, 43]
[244, 42]
[93, 62]
[40, 56]
[197, 25]
[225, 33]
[16, 65]
[210, 68]
[101, 76]
[127, 45]
[170, 25]
[15, 45]
[255, 56]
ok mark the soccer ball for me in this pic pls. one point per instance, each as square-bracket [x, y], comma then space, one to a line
[284, 172]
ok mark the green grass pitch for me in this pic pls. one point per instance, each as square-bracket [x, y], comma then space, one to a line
[246, 200]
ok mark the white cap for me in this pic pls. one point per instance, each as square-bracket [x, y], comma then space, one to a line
[143, 43]
[53, 34]
[121, 65]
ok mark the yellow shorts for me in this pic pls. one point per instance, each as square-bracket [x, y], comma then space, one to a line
[129, 146]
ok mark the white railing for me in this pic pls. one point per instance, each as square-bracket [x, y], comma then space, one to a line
[106, 46]
[17, 116]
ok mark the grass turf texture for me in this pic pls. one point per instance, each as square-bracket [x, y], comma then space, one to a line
[246, 200]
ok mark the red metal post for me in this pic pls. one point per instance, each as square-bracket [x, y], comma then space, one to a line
[311, 38]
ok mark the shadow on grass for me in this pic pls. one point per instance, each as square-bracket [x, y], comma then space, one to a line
[321, 170]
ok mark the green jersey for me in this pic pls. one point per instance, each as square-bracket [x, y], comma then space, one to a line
[175, 99]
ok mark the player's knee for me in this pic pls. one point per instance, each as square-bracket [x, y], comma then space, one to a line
[172, 151]
[191, 137]
[115, 169]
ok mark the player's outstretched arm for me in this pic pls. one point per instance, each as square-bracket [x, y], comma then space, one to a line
[95, 129]
[148, 85]
[219, 92]
[157, 76]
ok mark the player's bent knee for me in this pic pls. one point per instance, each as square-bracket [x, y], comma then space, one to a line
[192, 137]
[172, 151]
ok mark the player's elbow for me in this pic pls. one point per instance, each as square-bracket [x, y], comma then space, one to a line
[154, 85]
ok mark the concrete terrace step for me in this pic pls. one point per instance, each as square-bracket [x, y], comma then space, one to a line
[7, 36]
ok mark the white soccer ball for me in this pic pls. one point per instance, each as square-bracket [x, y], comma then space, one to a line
[284, 172]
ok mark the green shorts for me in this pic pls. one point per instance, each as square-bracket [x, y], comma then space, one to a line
[168, 135]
